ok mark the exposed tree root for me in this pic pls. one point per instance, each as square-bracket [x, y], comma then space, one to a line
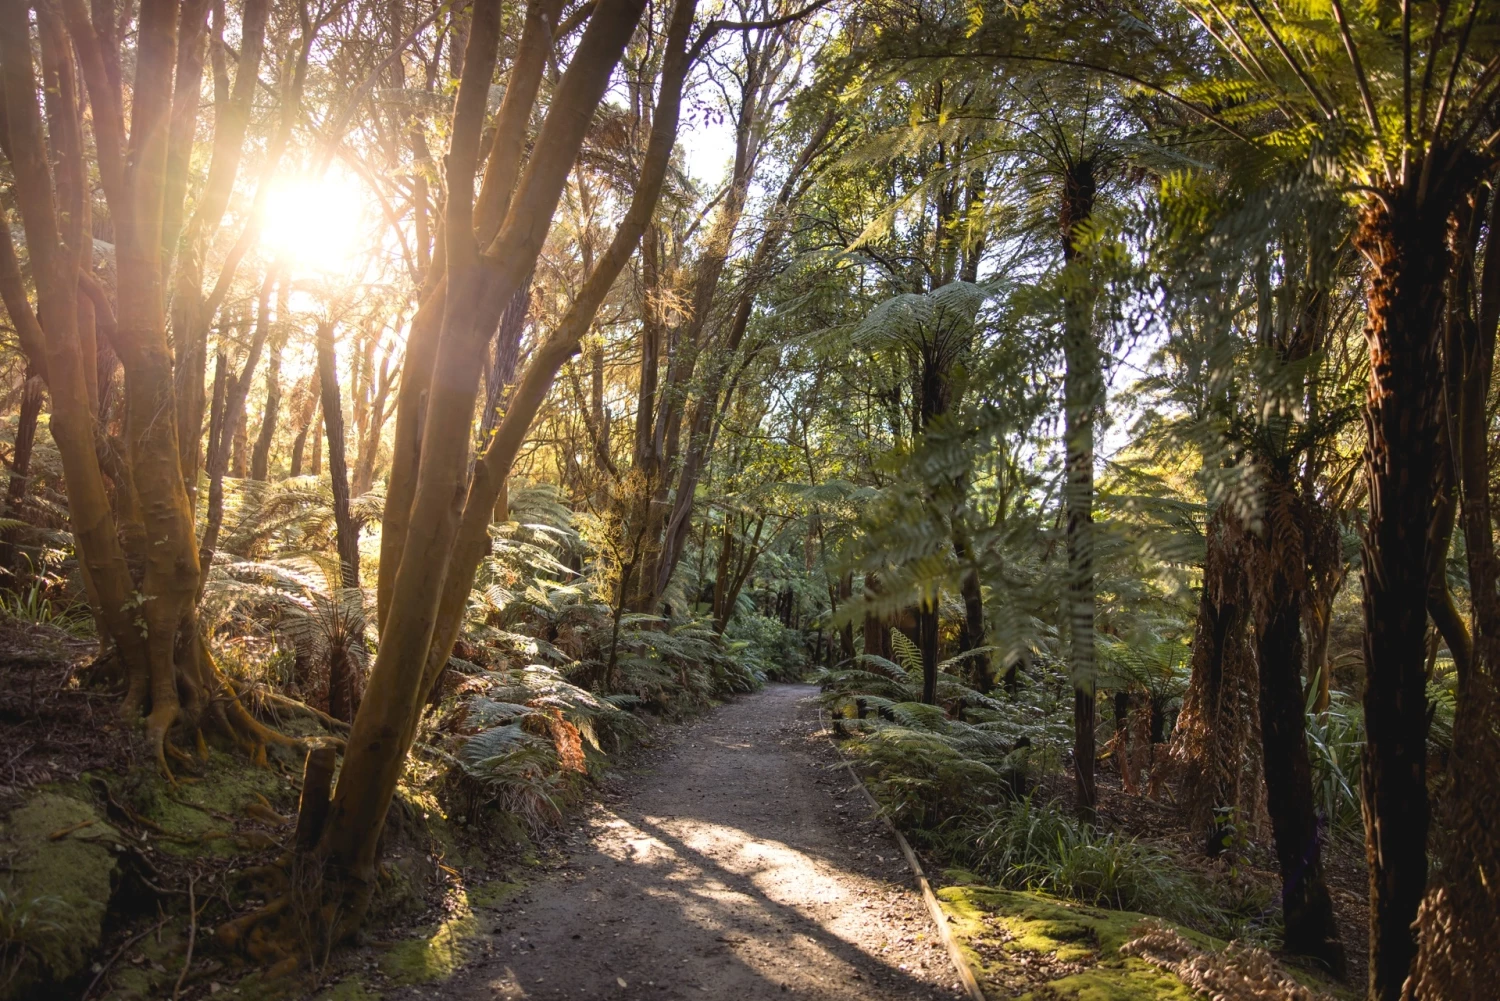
[305, 913]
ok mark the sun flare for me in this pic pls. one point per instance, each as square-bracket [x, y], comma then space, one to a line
[313, 224]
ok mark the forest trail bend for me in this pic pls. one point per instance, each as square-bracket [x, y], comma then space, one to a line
[737, 866]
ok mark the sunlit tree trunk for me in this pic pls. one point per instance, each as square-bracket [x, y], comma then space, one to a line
[229, 410]
[493, 468]
[55, 237]
[481, 278]
[260, 458]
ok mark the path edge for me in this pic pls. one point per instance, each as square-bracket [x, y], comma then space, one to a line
[934, 907]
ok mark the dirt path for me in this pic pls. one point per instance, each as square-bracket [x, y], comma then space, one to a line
[737, 866]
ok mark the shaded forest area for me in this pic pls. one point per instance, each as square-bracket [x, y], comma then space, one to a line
[409, 408]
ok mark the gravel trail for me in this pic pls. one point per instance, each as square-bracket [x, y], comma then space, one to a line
[738, 865]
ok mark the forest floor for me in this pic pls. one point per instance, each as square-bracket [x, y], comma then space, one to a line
[735, 863]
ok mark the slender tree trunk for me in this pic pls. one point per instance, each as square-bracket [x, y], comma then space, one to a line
[478, 288]
[338, 470]
[315, 461]
[1458, 918]
[231, 389]
[55, 244]
[260, 459]
[877, 636]
[20, 463]
[1083, 386]
[971, 631]
[927, 645]
[307, 416]
[493, 468]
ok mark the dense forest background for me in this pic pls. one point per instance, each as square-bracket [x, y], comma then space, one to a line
[420, 399]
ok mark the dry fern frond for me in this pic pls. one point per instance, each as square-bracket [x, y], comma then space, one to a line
[1239, 973]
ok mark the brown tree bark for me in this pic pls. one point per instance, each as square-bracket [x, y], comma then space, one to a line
[230, 415]
[493, 467]
[307, 422]
[260, 458]
[55, 242]
[1458, 917]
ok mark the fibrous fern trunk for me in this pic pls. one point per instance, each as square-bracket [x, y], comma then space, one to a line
[1459, 920]
[1278, 573]
[1211, 744]
[1405, 240]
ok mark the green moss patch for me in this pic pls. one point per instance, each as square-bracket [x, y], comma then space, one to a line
[439, 950]
[56, 888]
[1034, 947]
[201, 817]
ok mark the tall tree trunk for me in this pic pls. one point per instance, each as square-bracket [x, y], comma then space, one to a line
[1279, 576]
[235, 387]
[927, 646]
[55, 239]
[493, 468]
[877, 635]
[1083, 385]
[971, 634]
[1458, 919]
[1405, 241]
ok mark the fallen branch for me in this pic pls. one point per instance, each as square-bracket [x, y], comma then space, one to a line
[116, 957]
[187, 961]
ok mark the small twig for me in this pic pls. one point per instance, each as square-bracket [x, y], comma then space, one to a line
[115, 958]
[187, 961]
[61, 833]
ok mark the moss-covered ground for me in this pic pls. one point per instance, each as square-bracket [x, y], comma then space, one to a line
[1033, 947]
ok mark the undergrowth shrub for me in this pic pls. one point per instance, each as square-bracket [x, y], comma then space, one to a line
[766, 646]
[962, 789]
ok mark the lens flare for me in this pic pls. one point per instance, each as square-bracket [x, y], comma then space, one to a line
[313, 224]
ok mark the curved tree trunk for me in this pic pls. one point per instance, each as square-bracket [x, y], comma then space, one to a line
[481, 278]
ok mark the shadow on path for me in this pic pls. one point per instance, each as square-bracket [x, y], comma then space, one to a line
[738, 867]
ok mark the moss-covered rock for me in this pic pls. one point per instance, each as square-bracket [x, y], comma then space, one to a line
[61, 874]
